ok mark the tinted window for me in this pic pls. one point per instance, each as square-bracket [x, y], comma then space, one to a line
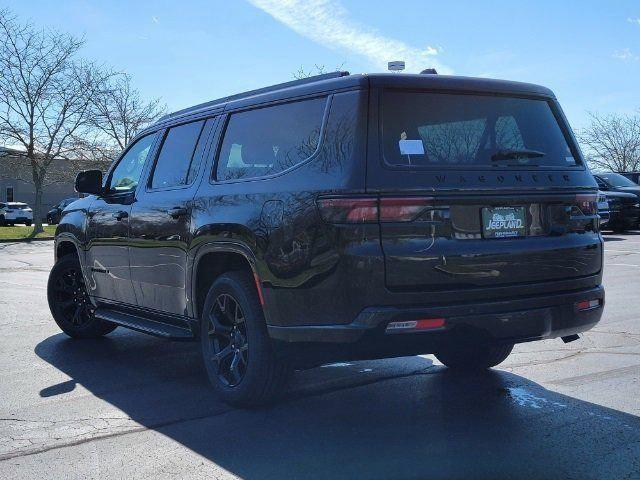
[175, 158]
[422, 129]
[269, 140]
[126, 175]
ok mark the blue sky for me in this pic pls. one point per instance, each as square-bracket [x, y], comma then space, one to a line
[190, 51]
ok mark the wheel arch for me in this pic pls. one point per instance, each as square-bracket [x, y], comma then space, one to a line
[214, 259]
[66, 245]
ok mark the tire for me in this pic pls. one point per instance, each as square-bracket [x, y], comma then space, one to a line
[233, 331]
[27, 223]
[69, 302]
[2, 224]
[474, 357]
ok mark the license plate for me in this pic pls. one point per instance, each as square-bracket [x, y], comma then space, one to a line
[504, 222]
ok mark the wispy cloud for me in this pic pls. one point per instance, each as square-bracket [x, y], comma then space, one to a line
[634, 20]
[626, 55]
[327, 22]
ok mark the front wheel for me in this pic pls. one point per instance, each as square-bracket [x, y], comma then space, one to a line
[474, 357]
[236, 349]
[69, 302]
[27, 223]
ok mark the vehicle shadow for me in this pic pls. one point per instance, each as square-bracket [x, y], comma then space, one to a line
[397, 418]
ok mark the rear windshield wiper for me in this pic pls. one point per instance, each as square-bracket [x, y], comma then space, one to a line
[516, 154]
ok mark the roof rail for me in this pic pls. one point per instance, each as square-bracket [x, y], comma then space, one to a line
[258, 91]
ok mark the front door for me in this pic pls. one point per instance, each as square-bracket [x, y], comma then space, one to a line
[160, 222]
[107, 265]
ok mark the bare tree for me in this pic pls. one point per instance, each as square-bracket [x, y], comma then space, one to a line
[317, 70]
[612, 142]
[120, 111]
[45, 98]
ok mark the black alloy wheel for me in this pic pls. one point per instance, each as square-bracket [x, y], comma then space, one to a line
[228, 339]
[241, 362]
[69, 301]
[70, 296]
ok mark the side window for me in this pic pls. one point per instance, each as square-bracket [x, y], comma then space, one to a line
[126, 175]
[269, 140]
[174, 165]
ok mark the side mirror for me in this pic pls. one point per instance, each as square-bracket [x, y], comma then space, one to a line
[89, 181]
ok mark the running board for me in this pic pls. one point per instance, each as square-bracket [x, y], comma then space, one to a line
[144, 325]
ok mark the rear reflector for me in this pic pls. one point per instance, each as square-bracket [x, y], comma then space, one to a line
[256, 279]
[415, 325]
[587, 304]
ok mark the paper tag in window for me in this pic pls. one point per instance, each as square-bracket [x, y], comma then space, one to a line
[411, 147]
[570, 160]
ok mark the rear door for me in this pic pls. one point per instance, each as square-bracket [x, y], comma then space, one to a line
[480, 191]
[160, 222]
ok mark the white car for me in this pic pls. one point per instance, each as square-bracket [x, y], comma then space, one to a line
[15, 212]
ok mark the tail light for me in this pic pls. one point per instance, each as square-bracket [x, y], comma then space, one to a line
[403, 209]
[348, 210]
[370, 209]
[587, 204]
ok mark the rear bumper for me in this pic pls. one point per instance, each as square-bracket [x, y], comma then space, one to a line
[509, 321]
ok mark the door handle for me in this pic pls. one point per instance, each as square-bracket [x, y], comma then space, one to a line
[120, 215]
[177, 212]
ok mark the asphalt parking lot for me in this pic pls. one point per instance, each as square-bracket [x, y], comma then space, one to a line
[133, 406]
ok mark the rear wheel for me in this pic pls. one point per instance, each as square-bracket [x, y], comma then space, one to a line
[236, 349]
[474, 357]
[69, 302]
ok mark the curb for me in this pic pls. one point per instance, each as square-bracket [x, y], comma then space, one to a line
[25, 240]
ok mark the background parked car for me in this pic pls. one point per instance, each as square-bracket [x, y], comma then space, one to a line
[615, 182]
[633, 176]
[53, 215]
[624, 211]
[15, 212]
[603, 208]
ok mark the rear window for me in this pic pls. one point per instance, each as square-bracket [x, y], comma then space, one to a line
[175, 165]
[437, 129]
[270, 140]
[617, 180]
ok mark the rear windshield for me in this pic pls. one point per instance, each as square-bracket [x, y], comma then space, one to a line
[440, 129]
[617, 180]
[18, 206]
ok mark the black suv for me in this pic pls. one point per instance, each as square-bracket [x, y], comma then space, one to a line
[339, 217]
[53, 215]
